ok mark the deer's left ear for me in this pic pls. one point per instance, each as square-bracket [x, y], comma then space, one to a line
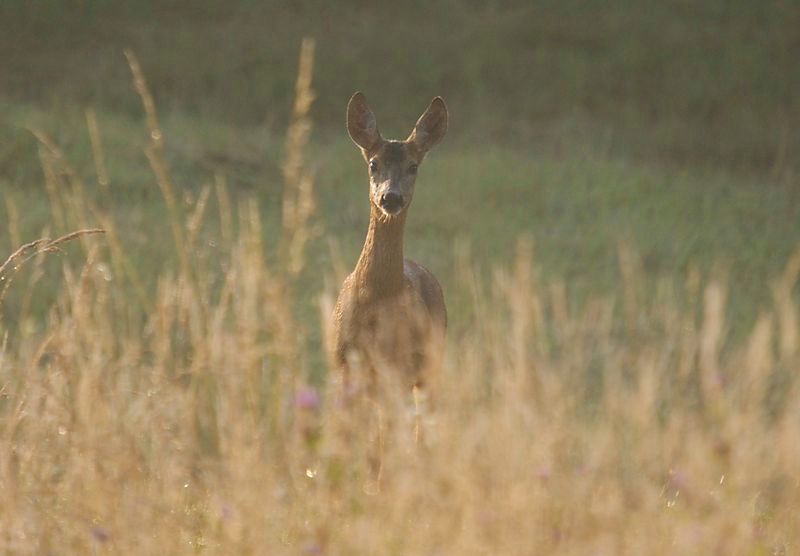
[361, 123]
[431, 126]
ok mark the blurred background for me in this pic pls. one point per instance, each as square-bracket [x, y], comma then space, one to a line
[680, 82]
[668, 127]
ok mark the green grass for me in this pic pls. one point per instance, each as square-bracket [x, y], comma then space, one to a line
[579, 210]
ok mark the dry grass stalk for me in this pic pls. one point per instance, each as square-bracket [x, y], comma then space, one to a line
[122, 263]
[97, 148]
[43, 245]
[154, 152]
[196, 218]
[53, 187]
[12, 219]
[24, 253]
[225, 211]
[68, 201]
[140, 84]
[298, 188]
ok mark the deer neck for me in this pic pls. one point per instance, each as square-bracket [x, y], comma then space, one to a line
[379, 272]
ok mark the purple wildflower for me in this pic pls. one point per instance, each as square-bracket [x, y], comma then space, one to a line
[306, 398]
[99, 534]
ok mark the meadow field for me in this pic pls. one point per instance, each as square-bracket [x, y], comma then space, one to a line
[614, 217]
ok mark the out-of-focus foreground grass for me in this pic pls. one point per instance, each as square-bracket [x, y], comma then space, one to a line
[615, 239]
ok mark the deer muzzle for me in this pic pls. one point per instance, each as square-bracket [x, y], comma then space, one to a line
[391, 202]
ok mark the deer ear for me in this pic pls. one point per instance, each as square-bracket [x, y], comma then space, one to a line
[431, 126]
[361, 123]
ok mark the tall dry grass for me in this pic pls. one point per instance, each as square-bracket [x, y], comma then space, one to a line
[624, 426]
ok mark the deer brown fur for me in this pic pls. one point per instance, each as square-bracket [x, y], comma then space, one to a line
[390, 315]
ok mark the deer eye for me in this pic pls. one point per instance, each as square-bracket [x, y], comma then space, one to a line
[373, 165]
[413, 168]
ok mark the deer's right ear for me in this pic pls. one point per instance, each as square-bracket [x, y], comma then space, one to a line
[361, 123]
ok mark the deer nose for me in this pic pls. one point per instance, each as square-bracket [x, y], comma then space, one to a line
[391, 201]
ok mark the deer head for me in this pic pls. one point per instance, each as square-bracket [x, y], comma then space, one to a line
[393, 164]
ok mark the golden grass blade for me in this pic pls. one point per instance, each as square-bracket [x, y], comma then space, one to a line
[97, 148]
[140, 84]
[298, 188]
[24, 253]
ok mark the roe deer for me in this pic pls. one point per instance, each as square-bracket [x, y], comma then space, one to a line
[390, 313]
